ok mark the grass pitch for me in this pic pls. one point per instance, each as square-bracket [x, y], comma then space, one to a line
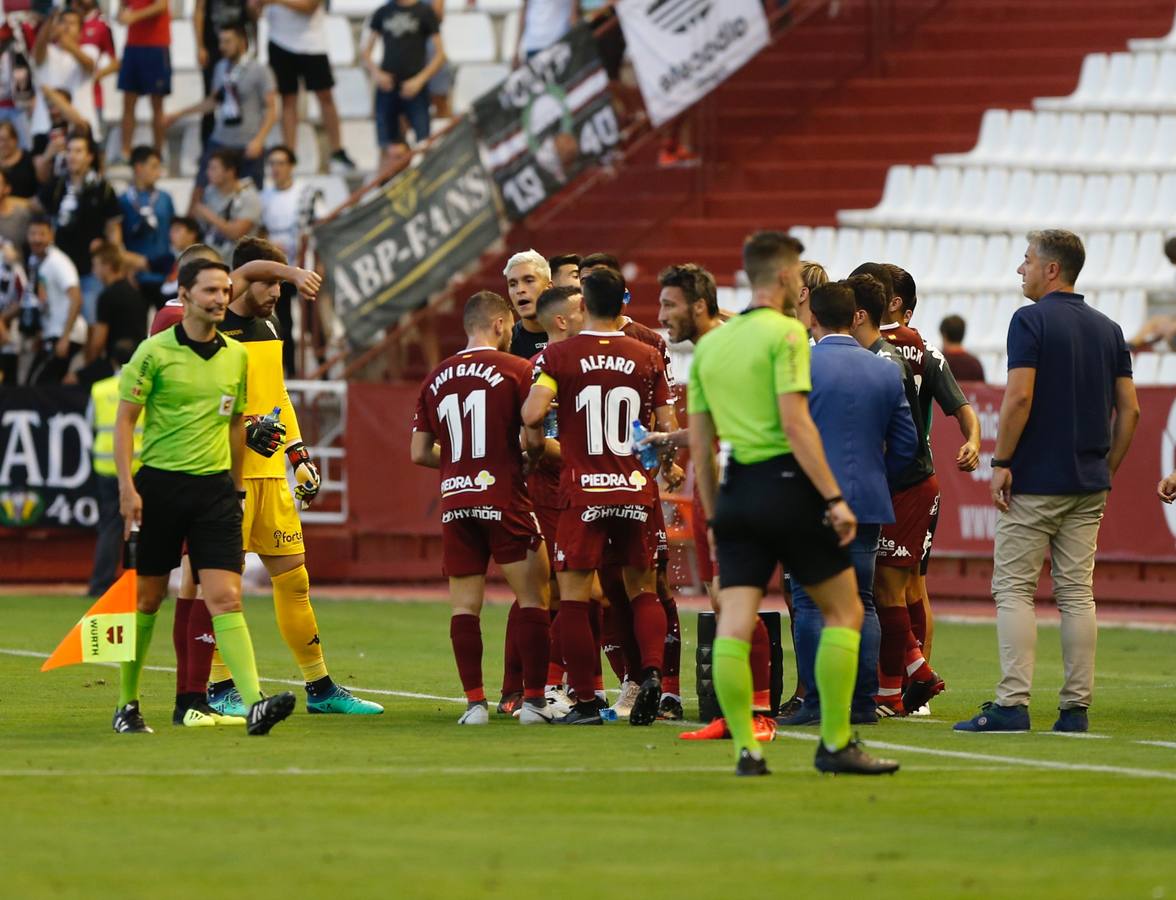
[410, 805]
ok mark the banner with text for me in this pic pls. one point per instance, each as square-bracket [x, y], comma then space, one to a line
[683, 49]
[45, 473]
[1137, 526]
[547, 121]
[385, 257]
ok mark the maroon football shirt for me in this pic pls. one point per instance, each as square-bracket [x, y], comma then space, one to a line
[603, 381]
[472, 404]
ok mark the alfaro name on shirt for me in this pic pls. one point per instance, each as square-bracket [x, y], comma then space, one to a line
[609, 363]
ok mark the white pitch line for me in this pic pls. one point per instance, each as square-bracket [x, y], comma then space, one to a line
[1011, 761]
[415, 771]
[32, 654]
[1171, 745]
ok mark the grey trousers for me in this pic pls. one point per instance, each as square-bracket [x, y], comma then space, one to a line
[1066, 525]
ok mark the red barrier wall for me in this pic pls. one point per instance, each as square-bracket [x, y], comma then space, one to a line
[1137, 527]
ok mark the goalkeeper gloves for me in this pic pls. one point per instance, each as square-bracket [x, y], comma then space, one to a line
[264, 434]
[306, 473]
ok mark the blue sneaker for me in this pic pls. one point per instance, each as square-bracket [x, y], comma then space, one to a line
[996, 718]
[1072, 720]
[225, 699]
[341, 701]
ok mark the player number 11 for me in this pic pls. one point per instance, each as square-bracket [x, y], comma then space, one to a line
[451, 414]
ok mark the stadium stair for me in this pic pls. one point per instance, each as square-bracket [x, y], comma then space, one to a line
[810, 127]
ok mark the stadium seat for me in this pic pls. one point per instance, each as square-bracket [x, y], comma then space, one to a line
[896, 196]
[1167, 369]
[333, 187]
[474, 80]
[1146, 368]
[1132, 312]
[359, 137]
[994, 128]
[511, 26]
[113, 142]
[996, 367]
[181, 192]
[190, 147]
[896, 247]
[306, 147]
[1163, 43]
[355, 9]
[353, 96]
[1163, 150]
[183, 46]
[1091, 83]
[494, 7]
[468, 38]
[340, 41]
[187, 90]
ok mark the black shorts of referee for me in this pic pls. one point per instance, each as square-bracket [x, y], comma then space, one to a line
[200, 509]
[767, 514]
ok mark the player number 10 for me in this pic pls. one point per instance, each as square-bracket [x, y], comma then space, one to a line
[451, 414]
[610, 417]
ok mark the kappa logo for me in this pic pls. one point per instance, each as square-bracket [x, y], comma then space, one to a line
[206, 638]
[678, 16]
[595, 482]
[888, 547]
[463, 484]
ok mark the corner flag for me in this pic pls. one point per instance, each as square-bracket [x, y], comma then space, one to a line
[106, 633]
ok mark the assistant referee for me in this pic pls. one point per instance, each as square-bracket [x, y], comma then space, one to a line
[190, 380]
[777, 501]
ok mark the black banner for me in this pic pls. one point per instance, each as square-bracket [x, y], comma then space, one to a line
[547, 121]
[45, 473]
[387, 256]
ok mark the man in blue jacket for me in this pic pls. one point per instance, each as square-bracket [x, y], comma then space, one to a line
[866, 426]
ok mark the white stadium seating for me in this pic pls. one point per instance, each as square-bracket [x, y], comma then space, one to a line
[468, 38]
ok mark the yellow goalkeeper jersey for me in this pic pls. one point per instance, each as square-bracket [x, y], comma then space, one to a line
[266, 384]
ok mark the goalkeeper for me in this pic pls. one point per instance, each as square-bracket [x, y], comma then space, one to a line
[270, 524]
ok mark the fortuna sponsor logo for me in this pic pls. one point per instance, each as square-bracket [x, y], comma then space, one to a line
[205, 638]
[484, 513]
[608, 363]
[486, 371]
[286, 537]
[463, 484]
[890, 548]
[634, 513]
[612, 481]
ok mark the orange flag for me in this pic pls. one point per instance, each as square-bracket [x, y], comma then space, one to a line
[106, 633]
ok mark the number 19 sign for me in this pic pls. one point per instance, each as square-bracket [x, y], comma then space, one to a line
[548, 120]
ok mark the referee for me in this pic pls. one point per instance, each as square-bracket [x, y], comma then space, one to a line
[191, 382]
[776, 502]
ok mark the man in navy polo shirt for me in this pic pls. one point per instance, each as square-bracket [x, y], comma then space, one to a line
[1066, 422]
[866, 426]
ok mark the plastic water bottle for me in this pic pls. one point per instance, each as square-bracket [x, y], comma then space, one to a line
[608, 715]
[551, 424]
[648, 453]
[275, 415]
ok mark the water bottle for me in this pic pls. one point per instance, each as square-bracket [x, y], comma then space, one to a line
[275, 415]
[551, 424]
[648, 453]
[608, 715]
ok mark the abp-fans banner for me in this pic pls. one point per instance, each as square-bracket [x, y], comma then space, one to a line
[683, 49]
[548, 120]
[386, 256]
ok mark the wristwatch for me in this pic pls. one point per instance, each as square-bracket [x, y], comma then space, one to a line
[1001, 463]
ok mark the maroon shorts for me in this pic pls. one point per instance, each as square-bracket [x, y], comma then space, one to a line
[901, 544]
[471, 537]
[597, 536]
[548, 517]
[657, 521]
[702, 547]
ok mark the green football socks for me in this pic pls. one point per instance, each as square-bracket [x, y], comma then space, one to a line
[836, 672]
[235, 646]
[129, 672]
[732, 678]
